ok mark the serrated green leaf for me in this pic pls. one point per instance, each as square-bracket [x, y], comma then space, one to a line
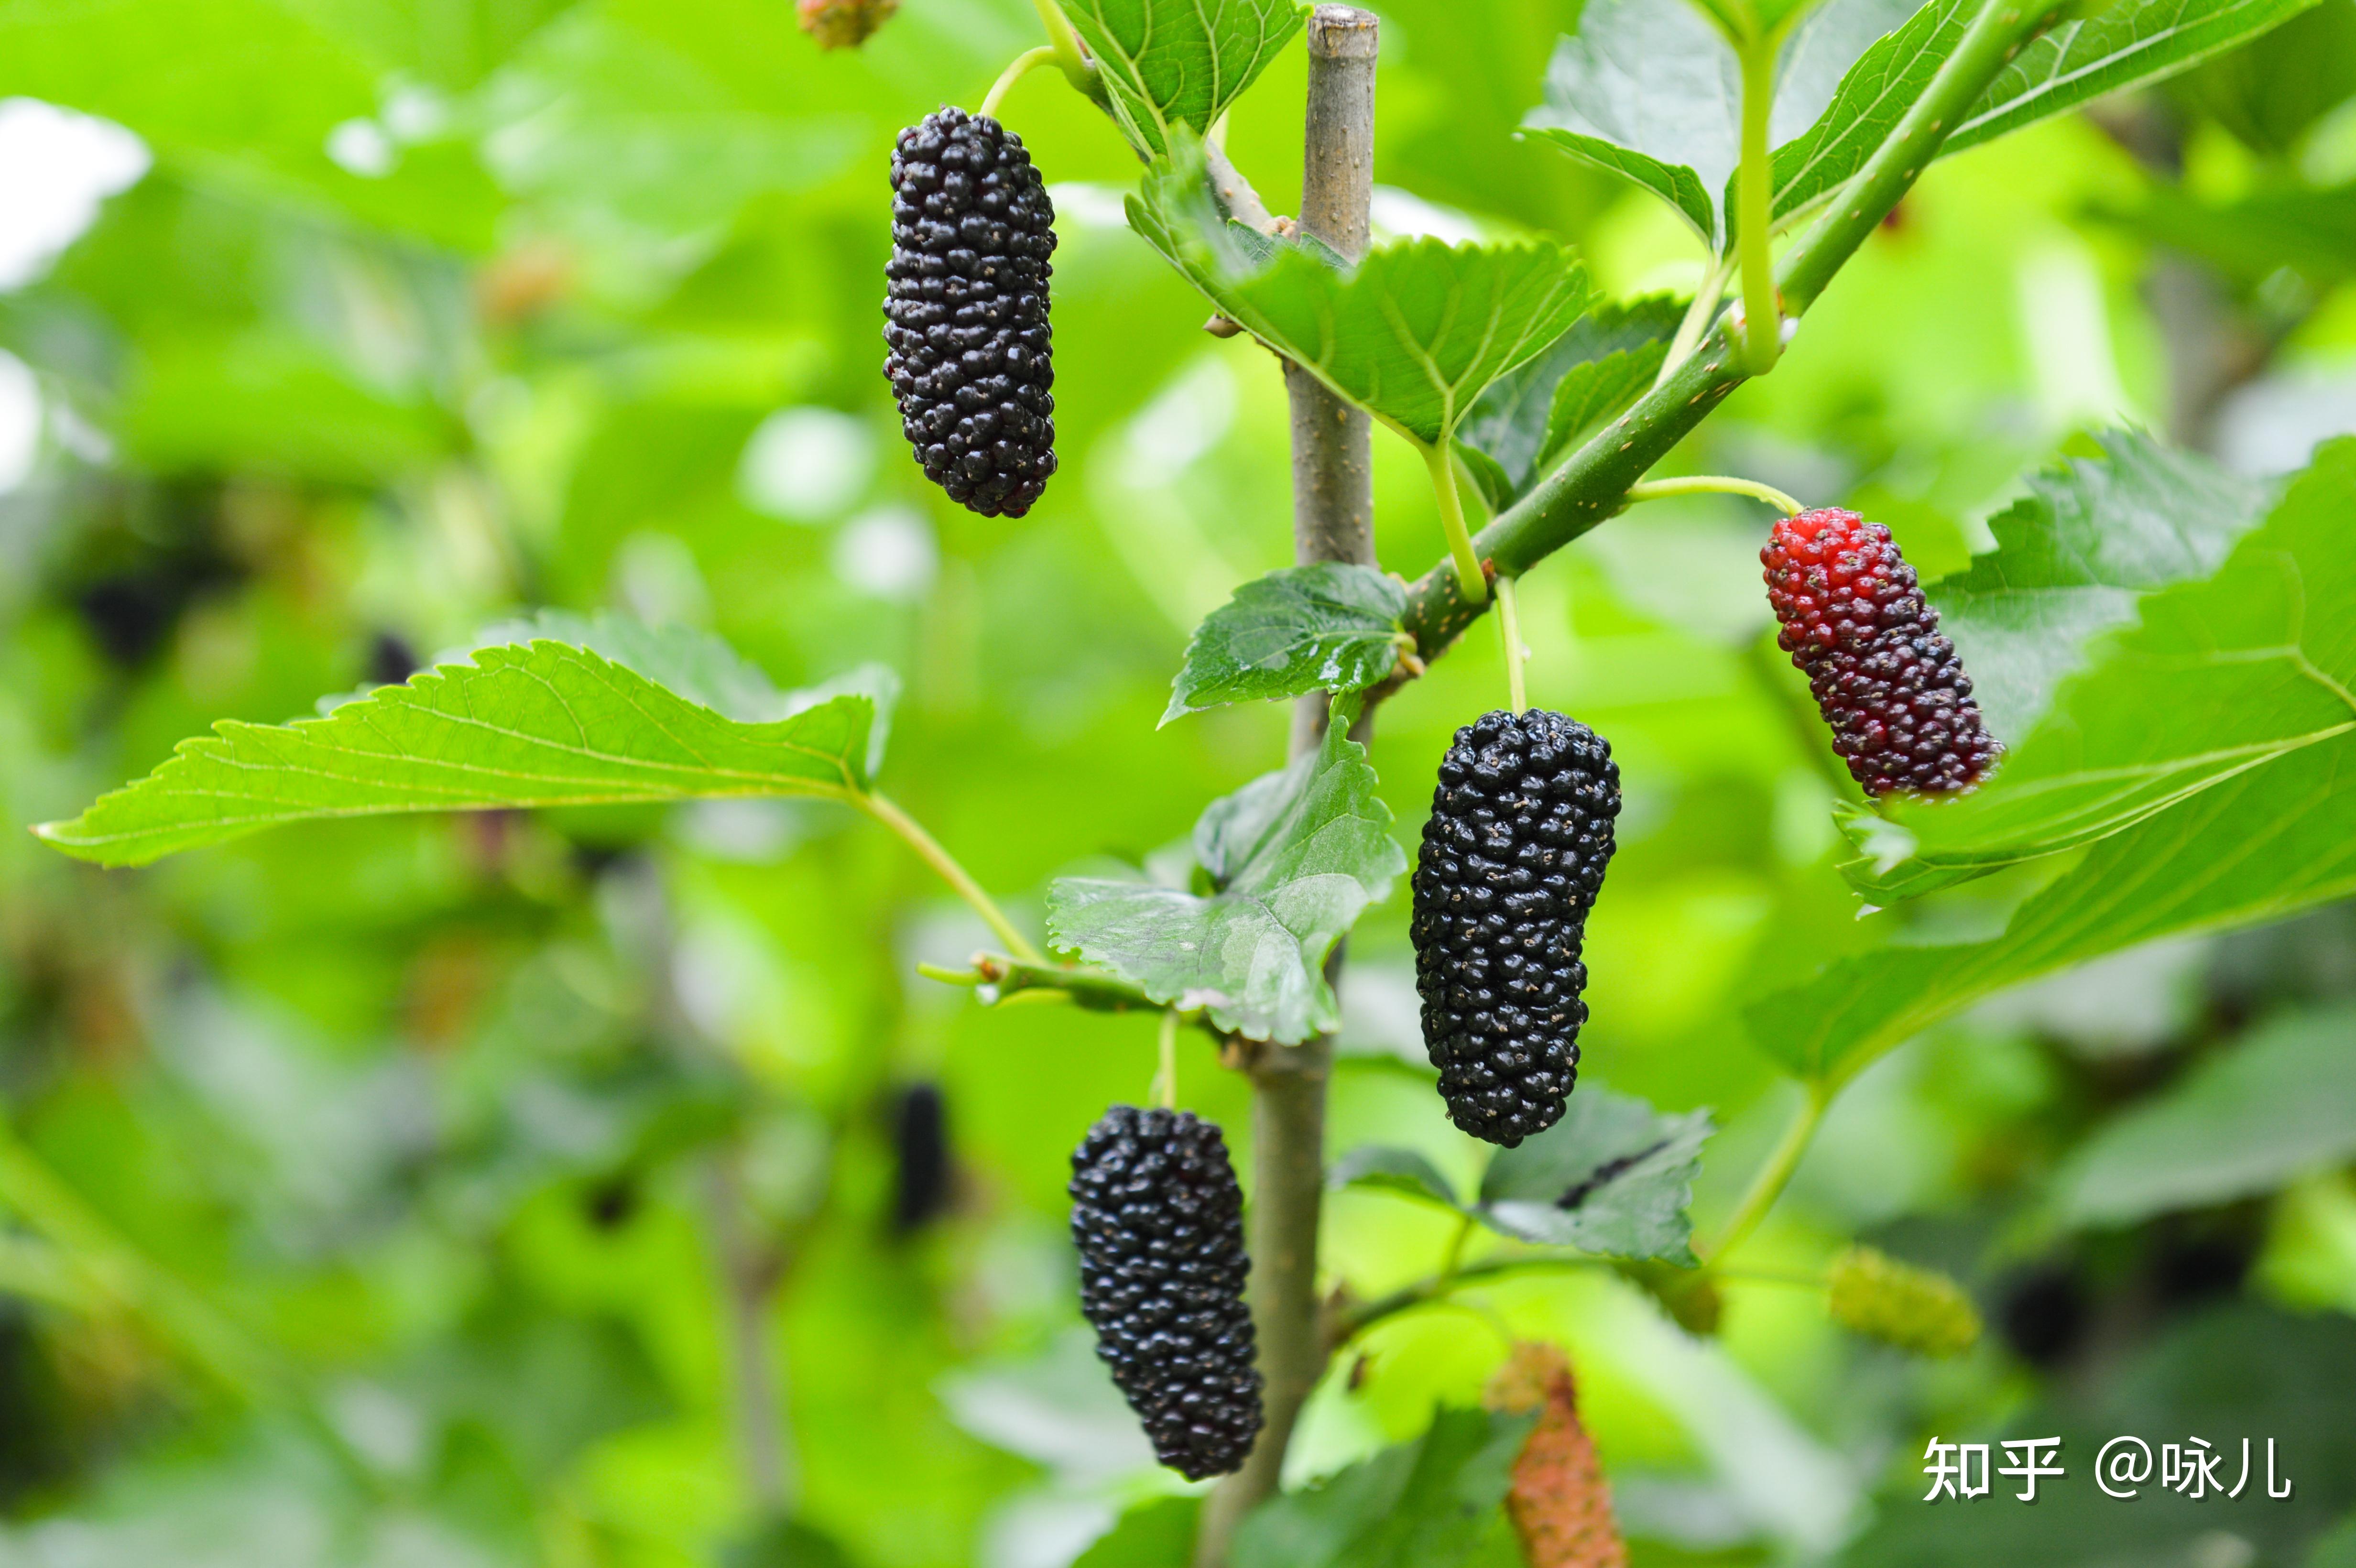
[2220, 677]
[2072, 63]
[2264, 1112]
[1595, 391]
[532, 723]
[2074, 558]
[1871, 99]
[1297, 856]
[2082, 60]
[1614, 1176]
[1654, 93]
[1330, 627]
[1415, 335]
[1681, 186]
[1430, 1502]
[2266, 844]
[1531, 414]
[1400, 1171]
[1168, 64]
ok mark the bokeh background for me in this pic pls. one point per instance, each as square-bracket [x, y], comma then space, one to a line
[605, 1188]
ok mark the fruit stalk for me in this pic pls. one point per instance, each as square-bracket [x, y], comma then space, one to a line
[1332, 519]
[1025, 64]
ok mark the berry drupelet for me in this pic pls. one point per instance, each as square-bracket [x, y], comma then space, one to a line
[1857, 625]
[1158, 1219]
[1513, 853]
[966, 311]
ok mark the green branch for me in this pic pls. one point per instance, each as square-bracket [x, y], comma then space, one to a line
[1592, 484]
[1440, 457]
[1344, 1323]
[1092, 990]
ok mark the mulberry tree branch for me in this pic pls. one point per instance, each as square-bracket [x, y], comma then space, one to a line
[1593, 483]
[1332, 519]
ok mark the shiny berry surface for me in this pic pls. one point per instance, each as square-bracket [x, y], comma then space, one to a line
[1514, 853]
[965, 310]
[1158, 1219]
[1855, 623]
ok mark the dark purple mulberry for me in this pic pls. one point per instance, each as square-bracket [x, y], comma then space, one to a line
[1857, 625]
[1514, 853]
[965, 308]
[920, 1143]
[1158, 1219]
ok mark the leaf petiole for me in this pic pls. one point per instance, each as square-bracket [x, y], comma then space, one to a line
[960, 881]
[1472, 585]
[1762, 324]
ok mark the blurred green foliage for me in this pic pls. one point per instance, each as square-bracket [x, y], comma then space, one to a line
[538, 1188]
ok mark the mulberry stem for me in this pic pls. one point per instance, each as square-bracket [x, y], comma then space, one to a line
[1438, 1286]
[1471, 585]
[1713, 485]
[1763, 317]
[959, 880]
[1509, 631]
[1025, 64]
[1333, 520]
[1164, 1091]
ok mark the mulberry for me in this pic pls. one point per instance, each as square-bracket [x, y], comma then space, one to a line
[1916, 1309]
[1514, 853]
[920, 1141]
[965, 306]
[843, 24]
[1157, 1221]
[1857, 625]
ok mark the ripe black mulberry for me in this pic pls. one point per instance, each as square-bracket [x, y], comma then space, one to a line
[920, 1141]
[965, 308]
[1158, 1219]
[1514, 853]
[1857, 625]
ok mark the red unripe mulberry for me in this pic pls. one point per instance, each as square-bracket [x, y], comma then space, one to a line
[1857, 625]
